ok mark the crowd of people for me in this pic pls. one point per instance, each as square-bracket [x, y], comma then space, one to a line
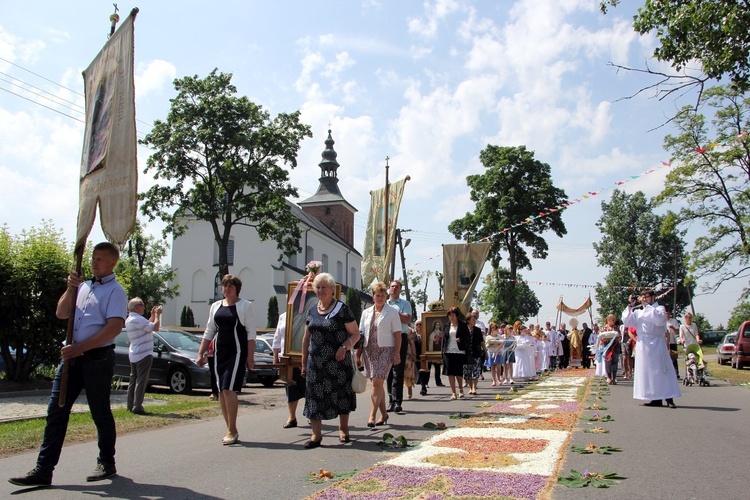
[383, 345]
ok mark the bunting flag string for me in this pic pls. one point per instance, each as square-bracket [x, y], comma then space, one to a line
[741, 137]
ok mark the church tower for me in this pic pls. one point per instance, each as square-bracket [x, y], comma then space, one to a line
[328, 205]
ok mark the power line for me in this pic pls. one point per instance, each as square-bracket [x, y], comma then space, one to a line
[14, 80]
[42, 105]
[40, 76]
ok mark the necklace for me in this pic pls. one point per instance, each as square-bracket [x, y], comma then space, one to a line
[322, 309]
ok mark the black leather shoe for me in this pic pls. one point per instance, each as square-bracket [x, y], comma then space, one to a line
[655, 402]
[290, 424]
[102, 471]
[397, 409]
[312, 444]
[391, 408]
[34, 477]
[423, 392]
[439, 384]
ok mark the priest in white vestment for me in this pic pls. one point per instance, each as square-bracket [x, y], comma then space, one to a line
[654, 378]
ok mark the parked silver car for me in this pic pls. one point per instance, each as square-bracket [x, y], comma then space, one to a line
[725, 349]
[174, 361]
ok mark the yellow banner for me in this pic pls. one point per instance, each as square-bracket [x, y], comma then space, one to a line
[462, 265]
[379, 247]
[109, 170]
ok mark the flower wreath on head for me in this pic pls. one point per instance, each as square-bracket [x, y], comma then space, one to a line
[313, 268]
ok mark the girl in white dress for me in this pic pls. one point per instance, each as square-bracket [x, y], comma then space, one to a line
[525, 366]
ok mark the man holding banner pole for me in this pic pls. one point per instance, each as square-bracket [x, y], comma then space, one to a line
[100, 312]
[96, 309]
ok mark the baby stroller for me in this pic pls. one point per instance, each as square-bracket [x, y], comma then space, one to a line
[695, 367]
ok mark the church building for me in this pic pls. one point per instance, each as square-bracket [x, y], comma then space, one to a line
[326, 221]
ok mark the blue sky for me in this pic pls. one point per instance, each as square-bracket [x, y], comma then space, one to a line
[428, 84]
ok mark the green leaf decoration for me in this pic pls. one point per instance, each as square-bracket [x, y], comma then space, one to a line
[599, 418]
[437, 426]
[592, 448]
[458, 416]
[577, 479]
[391, 442]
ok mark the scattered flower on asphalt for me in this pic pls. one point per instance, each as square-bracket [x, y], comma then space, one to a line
[596, 430]
[599, 418]
[593, 448]
[577, 479]
[596, 407]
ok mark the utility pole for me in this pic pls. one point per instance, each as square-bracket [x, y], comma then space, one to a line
[401, 246]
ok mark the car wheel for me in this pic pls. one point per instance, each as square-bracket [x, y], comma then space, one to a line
[179, 381]
[740, 365]
[266, 381]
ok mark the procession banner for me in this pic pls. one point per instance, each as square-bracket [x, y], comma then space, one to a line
[109, 173]
[379, 247]
[462, 265]
[570, 311]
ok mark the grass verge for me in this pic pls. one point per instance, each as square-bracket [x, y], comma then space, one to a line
[24, 435]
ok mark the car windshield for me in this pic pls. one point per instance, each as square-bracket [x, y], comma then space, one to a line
[261, 346]
[180, 340]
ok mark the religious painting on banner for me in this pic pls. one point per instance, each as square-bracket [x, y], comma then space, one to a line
[109, 175]
[379, 246]
[462, 265]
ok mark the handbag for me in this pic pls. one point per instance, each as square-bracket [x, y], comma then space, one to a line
[359, 382]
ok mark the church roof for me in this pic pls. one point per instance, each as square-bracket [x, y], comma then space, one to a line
[316, 224]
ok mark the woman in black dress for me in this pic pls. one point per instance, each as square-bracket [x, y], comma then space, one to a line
[330, 334]
[456, 339]
[232, 322]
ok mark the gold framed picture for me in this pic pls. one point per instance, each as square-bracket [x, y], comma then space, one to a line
[432, 331]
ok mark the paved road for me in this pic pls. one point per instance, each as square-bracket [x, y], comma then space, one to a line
[693, 451]
[696, 451]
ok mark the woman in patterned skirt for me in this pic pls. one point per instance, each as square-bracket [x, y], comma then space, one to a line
[330, 334]
[231, 322]
[380, 326]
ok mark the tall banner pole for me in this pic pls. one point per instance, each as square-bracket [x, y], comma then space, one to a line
[385, 234]
[109, 170]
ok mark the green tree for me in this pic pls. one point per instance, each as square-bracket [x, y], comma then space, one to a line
[140, 270]
[739, 315]
[186, 317]
[514, 187]
[354, 303]
[714, 32]
[702, 322]
[506, 299]
[641, 250]
[273, 312]
[711, 177]
[222, 157]
[35, 265]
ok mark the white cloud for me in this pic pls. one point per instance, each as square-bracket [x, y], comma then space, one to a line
[153, 77]
[427, 27]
